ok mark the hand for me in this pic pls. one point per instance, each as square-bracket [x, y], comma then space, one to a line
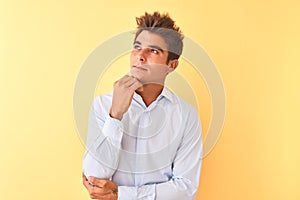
[122, 95]
[100, 188]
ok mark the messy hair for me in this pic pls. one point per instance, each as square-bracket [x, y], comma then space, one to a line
[164, 26]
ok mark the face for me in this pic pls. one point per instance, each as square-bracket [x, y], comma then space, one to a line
[148, 58]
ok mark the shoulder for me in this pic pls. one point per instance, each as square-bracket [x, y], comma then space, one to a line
[103, 98]
[102, 102]
[186, 108]
[190, 117]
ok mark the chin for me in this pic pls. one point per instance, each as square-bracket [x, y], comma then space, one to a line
[137, 74]
[142, 79]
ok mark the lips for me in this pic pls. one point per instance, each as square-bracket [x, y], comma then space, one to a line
[139, 67]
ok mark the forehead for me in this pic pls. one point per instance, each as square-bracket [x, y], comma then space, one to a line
[147, 38]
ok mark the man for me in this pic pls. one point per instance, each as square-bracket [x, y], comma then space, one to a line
[144, 142]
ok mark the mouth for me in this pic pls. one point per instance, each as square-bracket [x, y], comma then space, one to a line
[139, 67]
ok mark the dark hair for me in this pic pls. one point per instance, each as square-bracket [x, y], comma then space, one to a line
[164, 26]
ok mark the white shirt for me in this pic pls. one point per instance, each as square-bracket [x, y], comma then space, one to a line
[154, 152]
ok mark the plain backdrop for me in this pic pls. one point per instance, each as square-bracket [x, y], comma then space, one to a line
[254, 44]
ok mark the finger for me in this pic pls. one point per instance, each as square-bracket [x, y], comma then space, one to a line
[85, 181]
[124, 79]
[136, 85]
[92, 179]
[107, 196]
[99, 192]
[130, 82]
[100, 183]
[87, 186]
[96, 192]
[121, 80]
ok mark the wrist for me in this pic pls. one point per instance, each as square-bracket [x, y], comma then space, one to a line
[116, 115]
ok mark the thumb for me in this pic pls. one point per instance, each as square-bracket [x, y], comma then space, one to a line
[92, 180]
[96, 182]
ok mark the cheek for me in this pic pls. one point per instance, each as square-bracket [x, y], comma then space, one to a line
[160, 70]
[131, 56]
[163, 58]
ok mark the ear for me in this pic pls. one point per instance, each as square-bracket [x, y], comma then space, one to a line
[172, 65]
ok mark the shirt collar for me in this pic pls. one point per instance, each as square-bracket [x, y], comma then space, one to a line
[165, 93]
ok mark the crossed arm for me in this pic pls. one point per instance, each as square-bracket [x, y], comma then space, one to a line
[186, 165]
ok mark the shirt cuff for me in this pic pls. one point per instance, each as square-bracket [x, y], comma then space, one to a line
[113, 129]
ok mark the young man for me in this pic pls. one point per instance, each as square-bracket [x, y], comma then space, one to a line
[144, 142]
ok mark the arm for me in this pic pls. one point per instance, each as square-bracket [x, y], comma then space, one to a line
[186, 170]
[105, 130]
[103, 143]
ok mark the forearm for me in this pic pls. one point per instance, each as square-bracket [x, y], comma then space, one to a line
[101, 163]
[103, 146]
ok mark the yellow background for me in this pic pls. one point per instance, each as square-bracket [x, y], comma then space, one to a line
[255, 45]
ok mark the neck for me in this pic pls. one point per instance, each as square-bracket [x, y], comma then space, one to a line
[150, 92]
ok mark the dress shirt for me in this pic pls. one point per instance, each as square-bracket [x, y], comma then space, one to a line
[154, 152]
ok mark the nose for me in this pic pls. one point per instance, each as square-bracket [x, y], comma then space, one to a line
[141, 55]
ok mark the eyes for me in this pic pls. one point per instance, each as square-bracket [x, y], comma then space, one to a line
[137, 47]
[154, 51]
[151, 50]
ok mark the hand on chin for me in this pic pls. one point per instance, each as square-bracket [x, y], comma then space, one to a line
[137, 74]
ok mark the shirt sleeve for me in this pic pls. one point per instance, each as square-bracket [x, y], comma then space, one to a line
[103, 143]
[186, 170]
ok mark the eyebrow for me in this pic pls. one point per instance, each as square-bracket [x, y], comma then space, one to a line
[151, 46]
